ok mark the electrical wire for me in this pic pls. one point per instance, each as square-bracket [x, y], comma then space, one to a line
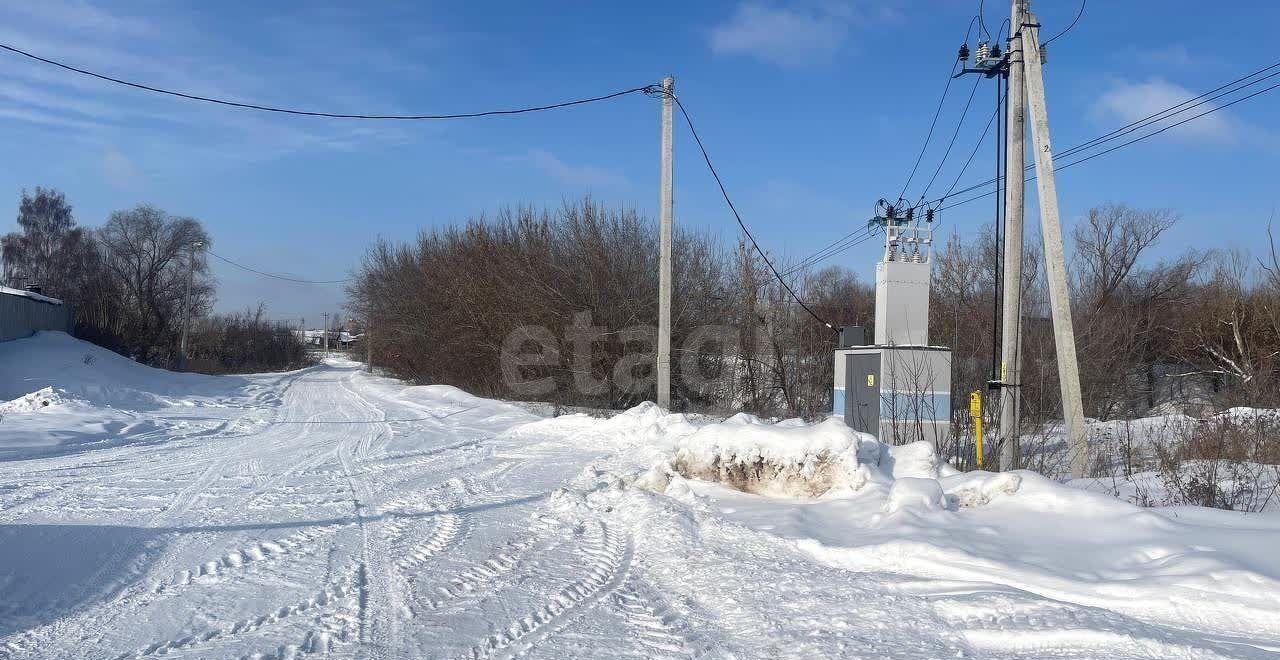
[849, 241]
[838, 246]
[1139, 124]
[724, 193]
[967, 162]
[1068, 28]
[853, 235]
[272, 275]
[952, 143]
[331, 115]
[929, 136]
[1100, 153]
[1125, 144]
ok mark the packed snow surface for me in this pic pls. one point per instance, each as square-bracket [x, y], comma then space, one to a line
[332, 513]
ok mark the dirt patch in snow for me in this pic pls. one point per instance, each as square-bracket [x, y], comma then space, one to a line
[811, 478]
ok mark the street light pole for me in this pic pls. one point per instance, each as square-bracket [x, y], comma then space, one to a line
[186, 304]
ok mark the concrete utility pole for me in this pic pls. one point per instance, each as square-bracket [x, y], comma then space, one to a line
[665, 211]
[325, 334]
[186, 304]
[1011, 330]
[1054, 254]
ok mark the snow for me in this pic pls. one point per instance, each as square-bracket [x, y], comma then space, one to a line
[331, 512]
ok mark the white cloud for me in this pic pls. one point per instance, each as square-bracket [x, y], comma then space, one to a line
[1131, 101]
[573, 175]
[166, 52]
[785, 36]
[78, 15]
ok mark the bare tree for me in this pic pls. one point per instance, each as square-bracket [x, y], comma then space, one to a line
[47, 250]
[147, 256]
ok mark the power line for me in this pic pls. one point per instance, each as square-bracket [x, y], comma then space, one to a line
[274, 276]
[838, 246]
[1094, 155]
[724, 193]
[331, 115]
[842, 247]
[929, 136]
[856, 237]
[1137, 139]
[1149, 120]
[1068, 28]
[973, 153]
[954, 135]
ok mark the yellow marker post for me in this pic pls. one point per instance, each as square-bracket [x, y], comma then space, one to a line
[975, 414]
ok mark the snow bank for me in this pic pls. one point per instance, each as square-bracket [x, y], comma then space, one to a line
[40, 399]
[84, 371]
[792, 459]
[60, 394]
[751, 455]
[915, 493]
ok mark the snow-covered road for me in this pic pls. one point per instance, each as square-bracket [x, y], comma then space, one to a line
[328, 511]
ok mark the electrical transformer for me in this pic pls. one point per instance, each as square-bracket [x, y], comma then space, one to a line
[898, 388]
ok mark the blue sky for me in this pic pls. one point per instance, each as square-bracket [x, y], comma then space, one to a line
[812, 110]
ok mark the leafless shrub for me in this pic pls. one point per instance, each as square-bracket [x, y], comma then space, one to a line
[581, 281]
[246, 342]
[1229, 462]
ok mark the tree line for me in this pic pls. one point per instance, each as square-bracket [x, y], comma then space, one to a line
[1197, 329]
[128, 281]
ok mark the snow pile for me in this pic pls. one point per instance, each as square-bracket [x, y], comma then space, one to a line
[100, 377]
[795, 459]
[751, 455]
[59, 394]
[915, 493]
[40, 399]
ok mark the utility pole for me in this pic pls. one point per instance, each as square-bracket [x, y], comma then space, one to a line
[368, 345]
[325, 334]
[1011, 328]
[1054, 254]
[186, 304]
[665, 211]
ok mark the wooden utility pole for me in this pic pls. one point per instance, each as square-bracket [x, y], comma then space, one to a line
[665, 211]
[1011, 330]
[325, 334]
[1054, 253]
[186, 304]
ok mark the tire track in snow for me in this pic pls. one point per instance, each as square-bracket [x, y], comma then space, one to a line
[485, 574]
[252, 555]
[450, 530]
[328, 595]
[654, 625]
[610, 552]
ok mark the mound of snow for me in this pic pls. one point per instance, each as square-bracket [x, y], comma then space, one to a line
[83, 371]
[40, 399]
[64, 395]
[752, 455]
[915, 493]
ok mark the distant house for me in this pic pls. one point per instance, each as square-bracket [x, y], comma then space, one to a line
[337, 339]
